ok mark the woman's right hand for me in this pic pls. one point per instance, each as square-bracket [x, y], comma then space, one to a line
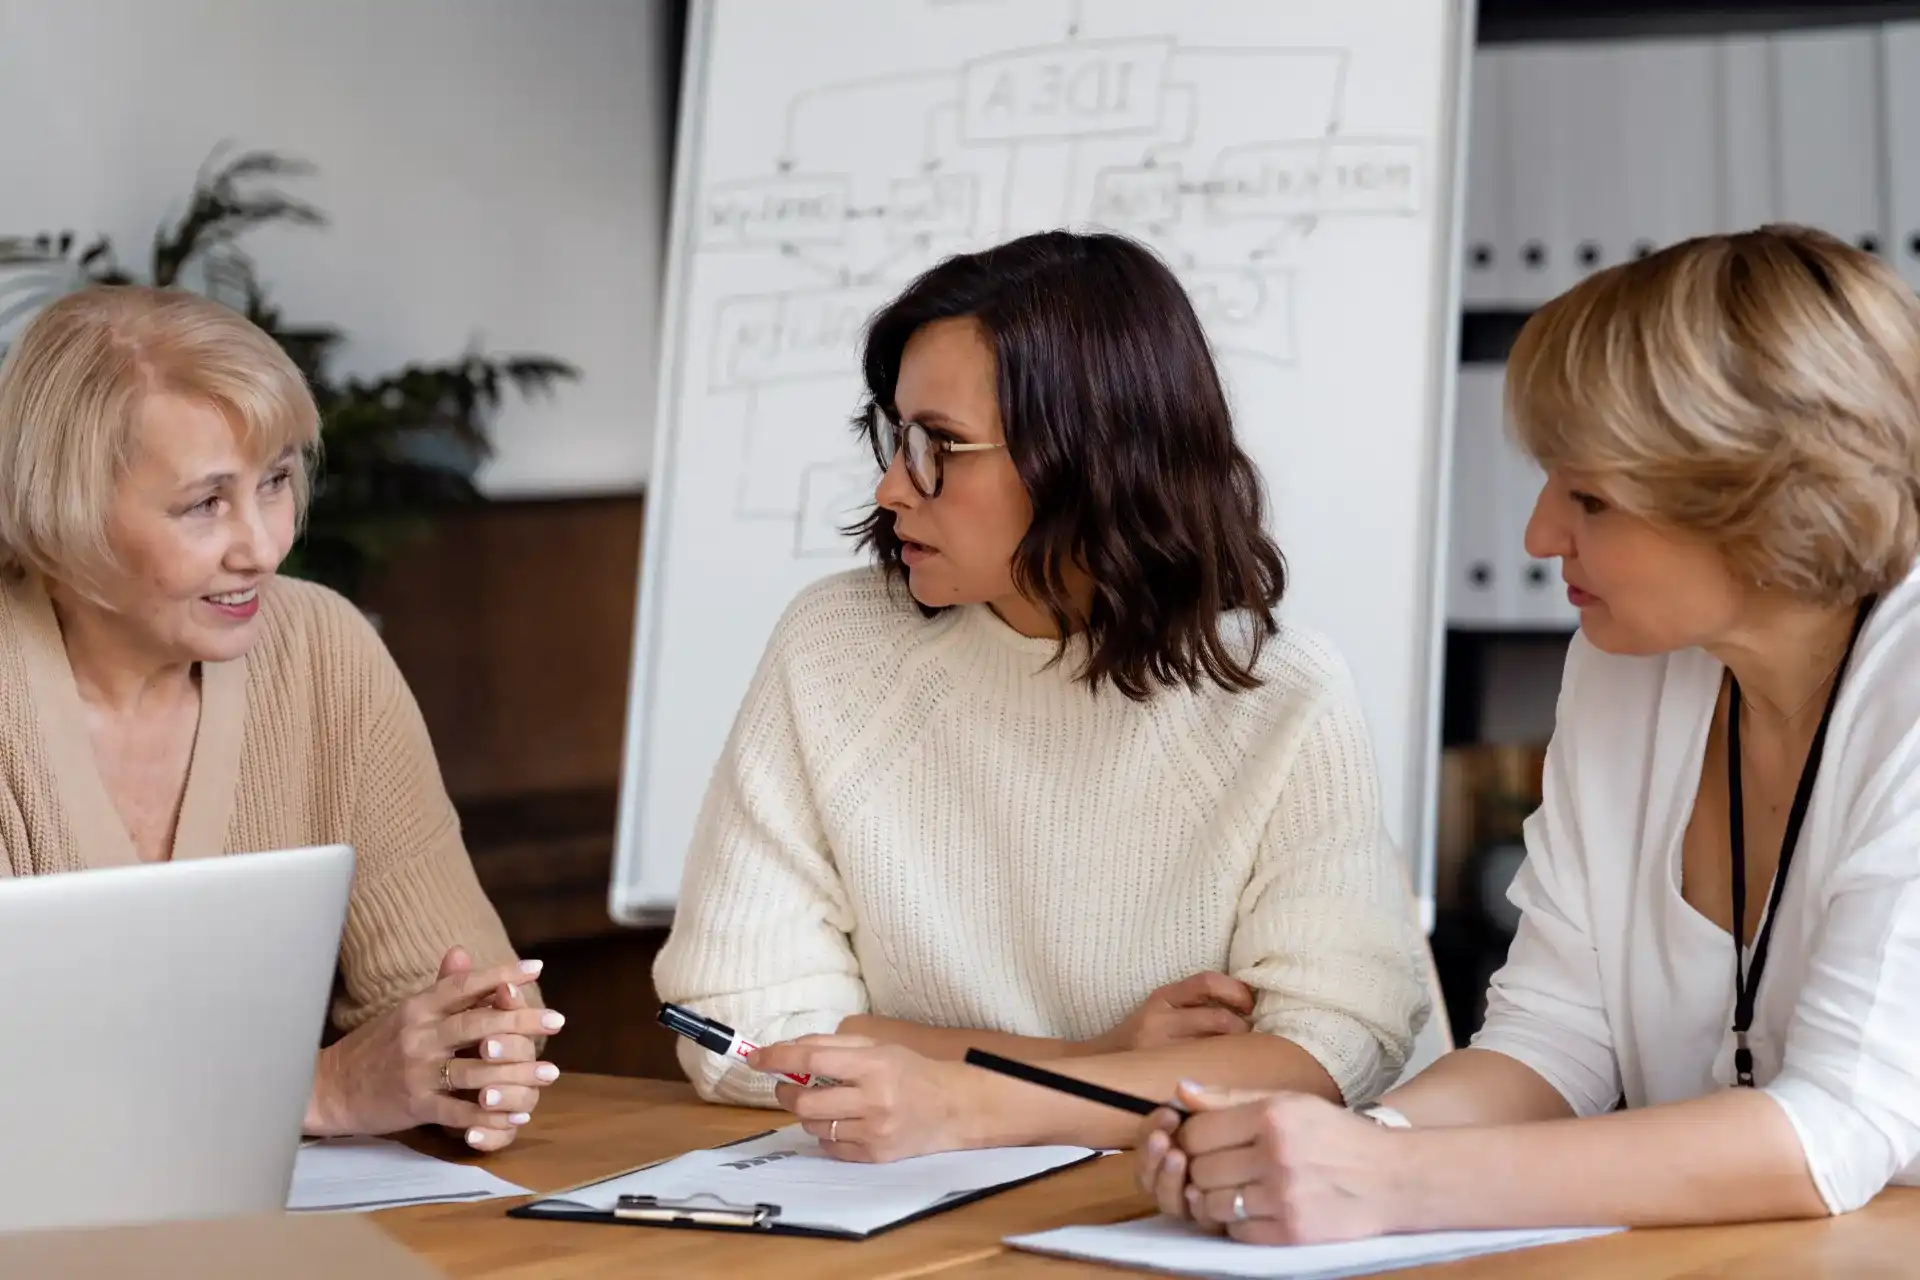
[390, 1074]
[1272, 1167]
[1207, 1004]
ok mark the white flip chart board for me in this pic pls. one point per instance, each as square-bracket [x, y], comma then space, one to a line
[1295, 161]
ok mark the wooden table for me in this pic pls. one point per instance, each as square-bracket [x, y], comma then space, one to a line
[593, 1126]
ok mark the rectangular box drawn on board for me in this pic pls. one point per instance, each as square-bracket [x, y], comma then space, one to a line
[1081, 89]
[770, 211]
[1247, 310]
[1145, 195]
[1316, 176]
[765, 339]
[938, 205]
[832, 496]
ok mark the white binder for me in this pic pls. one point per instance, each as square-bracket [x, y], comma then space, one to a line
[1668, 115]
[1900, 118]
[1474, 553]
[1597, 152]
[1748, 179]
[1541, 104]
[1493, 584]
[1533, 595]
[1487, 274]
[1828, 148]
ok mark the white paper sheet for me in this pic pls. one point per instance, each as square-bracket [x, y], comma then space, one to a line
[787, 1168]
[363, 1174]
[1162, 1244]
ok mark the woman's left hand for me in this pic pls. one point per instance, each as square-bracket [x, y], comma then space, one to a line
[1271, 1168]
[887, 1102]
[495, 1071]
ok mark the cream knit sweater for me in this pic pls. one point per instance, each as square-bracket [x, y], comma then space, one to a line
[923, 820]
[311, 738]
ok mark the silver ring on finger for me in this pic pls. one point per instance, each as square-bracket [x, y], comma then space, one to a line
[446, 1075]
[1240, 1204]
[833, 1132]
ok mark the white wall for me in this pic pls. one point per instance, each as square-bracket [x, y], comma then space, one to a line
[493, 168]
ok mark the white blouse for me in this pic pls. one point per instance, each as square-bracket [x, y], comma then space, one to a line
[1615, 987]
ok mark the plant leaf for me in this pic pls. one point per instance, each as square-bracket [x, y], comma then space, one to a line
[393, 447]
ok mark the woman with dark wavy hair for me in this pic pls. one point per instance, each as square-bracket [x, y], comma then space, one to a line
[1051, 779]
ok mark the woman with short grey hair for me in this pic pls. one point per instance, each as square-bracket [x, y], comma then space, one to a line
[164, 695]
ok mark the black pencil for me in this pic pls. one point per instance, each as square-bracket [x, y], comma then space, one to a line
[1067, 1084]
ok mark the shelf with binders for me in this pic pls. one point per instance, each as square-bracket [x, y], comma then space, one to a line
[1492, 583]
[1582, 154]
[1586, 153]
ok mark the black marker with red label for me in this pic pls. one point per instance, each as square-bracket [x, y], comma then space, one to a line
[721, 1039]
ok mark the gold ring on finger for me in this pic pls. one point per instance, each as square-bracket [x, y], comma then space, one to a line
[446, 1075]
[833, 1132]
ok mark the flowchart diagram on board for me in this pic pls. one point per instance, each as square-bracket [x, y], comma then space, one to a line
[1226, 160]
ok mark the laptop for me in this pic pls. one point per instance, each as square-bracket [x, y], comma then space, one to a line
[162, 1025]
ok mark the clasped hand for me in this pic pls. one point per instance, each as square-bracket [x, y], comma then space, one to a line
[459, 1054]
[1269, 1168]
[888, 1102]
[1195, 1008]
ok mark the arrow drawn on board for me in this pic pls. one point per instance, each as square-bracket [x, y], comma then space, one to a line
[838, 275]
[787, 157]
[931, 156]
[919, 243]
[1294, 228]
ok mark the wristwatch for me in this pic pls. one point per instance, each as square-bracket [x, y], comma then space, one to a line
[1386, 1116]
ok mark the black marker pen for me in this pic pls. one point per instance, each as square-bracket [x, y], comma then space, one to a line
[719, 1038]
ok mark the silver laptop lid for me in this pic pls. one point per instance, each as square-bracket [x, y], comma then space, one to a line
[164, 1021]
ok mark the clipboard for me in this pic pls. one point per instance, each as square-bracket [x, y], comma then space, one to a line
[714, 1211]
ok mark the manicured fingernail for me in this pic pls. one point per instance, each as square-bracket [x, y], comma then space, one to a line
[530, 967]
[1191, 1086]
[493, 1048]
[546, 1073]
[1193, 1197]
[475, 1137]
[519, 1117]
[513, 992]
[552, 1021]
[492, 1099]
[1156, 1145]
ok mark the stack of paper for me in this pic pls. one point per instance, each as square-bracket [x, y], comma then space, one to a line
[1179, 1248]
[362, 1174]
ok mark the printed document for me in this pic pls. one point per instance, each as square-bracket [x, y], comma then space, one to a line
[788, 1169]
[362, 1174]
[1180, 1248]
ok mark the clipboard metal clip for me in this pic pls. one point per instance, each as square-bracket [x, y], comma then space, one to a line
[704, 1209]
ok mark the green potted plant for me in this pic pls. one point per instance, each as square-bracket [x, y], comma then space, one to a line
[393, 448]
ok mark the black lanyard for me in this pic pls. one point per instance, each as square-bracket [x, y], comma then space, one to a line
[1747, 985]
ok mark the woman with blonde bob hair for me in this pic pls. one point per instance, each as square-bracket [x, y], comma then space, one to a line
[163, 695]
[1711, 1010]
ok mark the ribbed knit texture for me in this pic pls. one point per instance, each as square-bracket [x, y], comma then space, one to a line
[332, 748]
[923, 820]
